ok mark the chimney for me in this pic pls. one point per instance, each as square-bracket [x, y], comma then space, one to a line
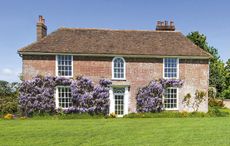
[165, 26]
[41, 28]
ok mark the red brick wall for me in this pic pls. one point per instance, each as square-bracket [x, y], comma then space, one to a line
[139, 72]
[34, 65]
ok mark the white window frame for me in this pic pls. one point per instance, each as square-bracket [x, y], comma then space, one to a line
[57, 96]
[112, 100]
[177, 99]
[177, 76]
[113, 78]
[56, 70]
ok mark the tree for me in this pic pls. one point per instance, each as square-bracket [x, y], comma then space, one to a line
[217, 71]
[227, 70]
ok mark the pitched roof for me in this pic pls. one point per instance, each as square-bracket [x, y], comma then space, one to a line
[116, 42]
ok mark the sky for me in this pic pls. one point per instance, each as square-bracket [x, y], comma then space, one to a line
[18, 21]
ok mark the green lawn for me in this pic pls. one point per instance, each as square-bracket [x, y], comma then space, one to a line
[145, 131]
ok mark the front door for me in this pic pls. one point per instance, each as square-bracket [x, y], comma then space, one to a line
[119, 94]
[119, 101]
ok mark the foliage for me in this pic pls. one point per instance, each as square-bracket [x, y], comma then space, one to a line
[217, 70]
[196, 101]
[9, 103]
[8, 116]
[149, 98]
[217, 75]
[87, 98]
[213, 112]
[37, 95]
[8, 97]
[227, 70]
[212, 92]
[217, 112]
[212, 102]
[226, 93]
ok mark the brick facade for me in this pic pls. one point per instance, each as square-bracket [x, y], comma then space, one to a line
[139, 72]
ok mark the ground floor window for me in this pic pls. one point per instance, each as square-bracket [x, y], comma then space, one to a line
[170, 98]
[63, 97]
[119, 94]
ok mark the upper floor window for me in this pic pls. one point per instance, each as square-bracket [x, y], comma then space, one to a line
[118, 68]
[171, 67]
[64, 65]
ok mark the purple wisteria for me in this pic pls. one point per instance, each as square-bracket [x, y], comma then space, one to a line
[36, 96]
[149, 98]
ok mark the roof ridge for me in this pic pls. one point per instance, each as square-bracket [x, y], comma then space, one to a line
[110, 29]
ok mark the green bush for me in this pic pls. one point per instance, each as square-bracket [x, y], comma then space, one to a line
[213, 112]
[215, 102]
[66, 116]
[8, 103]
[226, 93]
[217, 112]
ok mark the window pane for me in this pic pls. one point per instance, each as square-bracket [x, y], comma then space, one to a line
[170, 98]
[64, 65]
[64, 97]
[118, 65]
[170, 68]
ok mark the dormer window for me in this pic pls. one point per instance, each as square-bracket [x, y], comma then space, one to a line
[64, 65]
[118, 68]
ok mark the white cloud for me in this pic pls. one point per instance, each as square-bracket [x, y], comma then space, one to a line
[9, 74]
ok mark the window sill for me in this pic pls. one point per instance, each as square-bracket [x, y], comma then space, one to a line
[171, 109]
[118, 79]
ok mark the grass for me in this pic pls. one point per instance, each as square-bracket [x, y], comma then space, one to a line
[137, 131]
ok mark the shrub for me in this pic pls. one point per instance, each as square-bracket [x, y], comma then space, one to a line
[8, 116]
[215, 102]
[149, 98]
[37, 95]
[216, 112]
[8, 97]
[212, 92]
[9, 103]
[226, 93]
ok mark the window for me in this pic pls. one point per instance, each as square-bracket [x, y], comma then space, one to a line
[170, 98]
[171, 67]
[64, 65]
[119, 100]
[118, 68]
[64, 97]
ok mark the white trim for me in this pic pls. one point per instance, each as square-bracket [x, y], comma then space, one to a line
[112, 55]
[113, 68]
[56, 65]
[177, 98]
[178, 69]
[112, 100]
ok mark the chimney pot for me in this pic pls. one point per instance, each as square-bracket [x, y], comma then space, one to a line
[165, 26]
[41, 28]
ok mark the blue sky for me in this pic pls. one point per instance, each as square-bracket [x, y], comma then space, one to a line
[18, 21]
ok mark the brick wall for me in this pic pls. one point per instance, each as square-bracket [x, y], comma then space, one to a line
[139, 72]
[33, 65]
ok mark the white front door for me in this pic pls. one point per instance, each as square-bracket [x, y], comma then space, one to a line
[119, 100]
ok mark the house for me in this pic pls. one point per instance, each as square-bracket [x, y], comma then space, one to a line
[130, 58]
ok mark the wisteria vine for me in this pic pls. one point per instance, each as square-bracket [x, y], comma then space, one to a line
[149, 98]
[36, 96]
